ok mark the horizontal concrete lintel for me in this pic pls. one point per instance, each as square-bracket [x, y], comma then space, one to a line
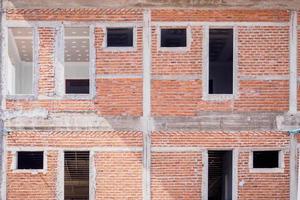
[264, 77]
[225, 121]
[73, 121]
[118, 76]
[177, 77]
[288, 122]
[177, 149]
[204, 121]
[183, 149]
[232, 23]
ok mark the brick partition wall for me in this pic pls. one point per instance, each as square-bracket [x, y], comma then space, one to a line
[26, 185]
[173, 172]
[46, 61]
[176, 164]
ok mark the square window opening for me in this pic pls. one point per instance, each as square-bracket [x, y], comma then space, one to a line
[77, 60]
[173, 38]
[76, 175]
[30, 160]
[220, 61]
[20, 61]
[119, 37]
[266, 159]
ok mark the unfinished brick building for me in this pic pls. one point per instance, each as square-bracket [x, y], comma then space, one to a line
[152, 100]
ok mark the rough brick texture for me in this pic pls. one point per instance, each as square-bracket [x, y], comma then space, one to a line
[262, 185]
[219, 15]
[87, 14]
[46, 61]
[37, 186]
[119, 175]
[176, 175]
[176, 91]
[75, 139]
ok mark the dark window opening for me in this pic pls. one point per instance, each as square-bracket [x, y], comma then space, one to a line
[265, 159]
[76, 177]
[220, 61]
[120, 37]
[76, 86]
[30, 160]
[173, 38]
[219, 175]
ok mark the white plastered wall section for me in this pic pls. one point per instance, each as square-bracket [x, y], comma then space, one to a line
[20, 73]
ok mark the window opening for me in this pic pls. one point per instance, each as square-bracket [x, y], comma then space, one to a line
[30, 160]
[173, 38]
[77, 60]
[266, 159]
[119, 37]
[220, 61]
[20, 61]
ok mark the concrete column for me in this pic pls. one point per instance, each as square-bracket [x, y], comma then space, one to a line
[147, 105]
[293, 167]
[59, 62]
[293, 63]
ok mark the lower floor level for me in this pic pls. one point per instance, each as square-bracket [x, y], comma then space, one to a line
[102, 165]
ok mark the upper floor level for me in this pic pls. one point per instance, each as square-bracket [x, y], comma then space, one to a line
[197, 60]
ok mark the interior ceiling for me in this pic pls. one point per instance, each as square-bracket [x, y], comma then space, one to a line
[288, 4]
[23, 40]
[77, 44]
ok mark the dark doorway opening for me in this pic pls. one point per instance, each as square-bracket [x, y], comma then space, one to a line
[219, 175]
[76, 178]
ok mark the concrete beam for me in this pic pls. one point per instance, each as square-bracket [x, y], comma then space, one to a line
[205, 121]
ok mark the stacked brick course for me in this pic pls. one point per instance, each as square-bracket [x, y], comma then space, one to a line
[178, 157]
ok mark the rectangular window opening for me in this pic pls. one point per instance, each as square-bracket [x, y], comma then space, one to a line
[265, 159]
[220, 61]
[76, 176]
[119, 37]
[30, 160]
[77, 60]
[173, 38]
[20, 61]
[219, 175]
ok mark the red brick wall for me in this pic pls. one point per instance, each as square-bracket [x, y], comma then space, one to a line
[83, 14]
[219, 15]
[118, 62]
[29, 186]
[220, 139]
[75, 139]
[176, 175]
[46, 61]
[119, 175]
[261, 51]
[262, 185]
[174, 62]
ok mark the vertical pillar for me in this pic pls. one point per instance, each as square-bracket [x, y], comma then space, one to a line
[60, 176]
[59, 62]
[293, 63]
[205, 175]
[146, 119]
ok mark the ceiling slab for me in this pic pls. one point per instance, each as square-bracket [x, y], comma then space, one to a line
[250, 4]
